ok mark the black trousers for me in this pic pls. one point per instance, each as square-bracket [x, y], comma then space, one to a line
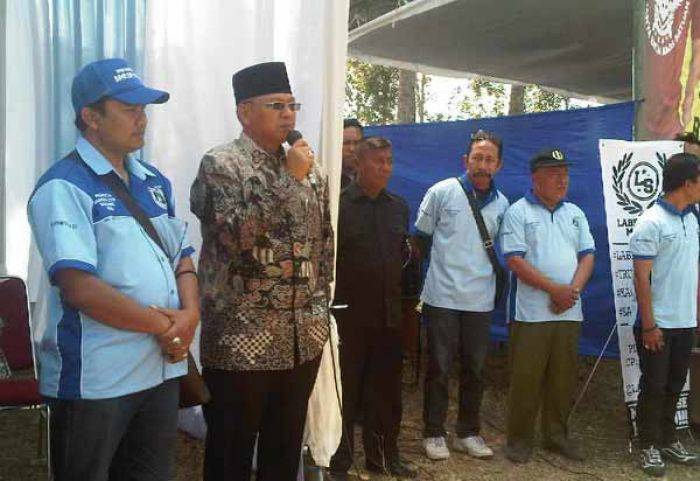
[464, 335]
[370, 366]
[663, 377]
[269, 405]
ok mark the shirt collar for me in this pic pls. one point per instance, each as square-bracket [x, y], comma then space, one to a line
[532, 198]
[355, 192]
[101, 166]
[250, 147]
[492, 192]
[672, 208]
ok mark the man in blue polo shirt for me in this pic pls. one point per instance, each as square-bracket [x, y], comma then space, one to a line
[459, 293]
[549, 248]
[122, 309]
[665, 249]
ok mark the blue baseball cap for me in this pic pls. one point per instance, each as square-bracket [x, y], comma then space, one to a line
[113, 78]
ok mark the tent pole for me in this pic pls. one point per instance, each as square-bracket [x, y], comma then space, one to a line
[3, 118]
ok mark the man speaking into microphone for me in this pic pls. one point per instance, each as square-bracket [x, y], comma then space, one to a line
[265, 268]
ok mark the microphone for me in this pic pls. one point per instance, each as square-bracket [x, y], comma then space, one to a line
[292, 137]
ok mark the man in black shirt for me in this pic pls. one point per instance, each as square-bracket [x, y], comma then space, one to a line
[372, 233]
[352, 135]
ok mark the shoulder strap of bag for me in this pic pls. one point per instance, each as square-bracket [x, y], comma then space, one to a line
[483, 232]
[114, 182]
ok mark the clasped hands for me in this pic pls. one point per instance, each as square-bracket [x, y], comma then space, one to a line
[562, 297]
[175, 340]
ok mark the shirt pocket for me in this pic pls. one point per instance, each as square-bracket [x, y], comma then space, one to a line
[669, 239]
[573, 233]
[448, 219]
[533, 231]
[397, 229]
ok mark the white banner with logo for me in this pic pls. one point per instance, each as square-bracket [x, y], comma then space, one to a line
[632, 179]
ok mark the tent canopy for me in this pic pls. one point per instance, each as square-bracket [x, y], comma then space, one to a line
[579, 47]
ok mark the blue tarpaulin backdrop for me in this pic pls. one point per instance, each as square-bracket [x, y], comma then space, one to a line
[427, 153]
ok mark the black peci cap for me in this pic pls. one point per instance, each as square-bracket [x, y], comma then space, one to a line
[260, 79]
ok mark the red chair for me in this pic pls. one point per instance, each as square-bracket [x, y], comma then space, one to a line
[21, 390]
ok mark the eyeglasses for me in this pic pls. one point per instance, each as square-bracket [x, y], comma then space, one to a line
[280, 106]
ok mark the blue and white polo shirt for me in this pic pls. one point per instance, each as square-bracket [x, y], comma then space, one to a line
[552, 242]
[79, 223]
[460, 275]
[670, 238]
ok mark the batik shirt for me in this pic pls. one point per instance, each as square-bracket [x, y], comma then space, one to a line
[266, 260]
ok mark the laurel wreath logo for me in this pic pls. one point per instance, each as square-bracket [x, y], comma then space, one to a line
[629, 205]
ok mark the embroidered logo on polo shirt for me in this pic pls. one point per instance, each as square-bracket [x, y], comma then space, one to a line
[105, 200]
[158, 196]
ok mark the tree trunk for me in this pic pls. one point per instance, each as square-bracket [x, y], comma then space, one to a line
[406, 112]
[517, 100]
[420, 108]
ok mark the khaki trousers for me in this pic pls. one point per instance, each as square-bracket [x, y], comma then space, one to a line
[543, 361]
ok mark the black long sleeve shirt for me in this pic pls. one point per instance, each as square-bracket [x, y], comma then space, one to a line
[371, 252]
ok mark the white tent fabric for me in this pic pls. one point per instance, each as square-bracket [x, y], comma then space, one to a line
[3, 119]
[579, 47]
[192, 52]
[192, 48]
[28, 137]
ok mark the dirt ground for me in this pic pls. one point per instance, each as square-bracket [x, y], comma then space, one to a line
[599, 424]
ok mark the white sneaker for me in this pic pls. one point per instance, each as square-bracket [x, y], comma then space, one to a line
[474, 446]
[436, 448]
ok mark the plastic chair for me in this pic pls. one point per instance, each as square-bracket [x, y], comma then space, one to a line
[19, 389]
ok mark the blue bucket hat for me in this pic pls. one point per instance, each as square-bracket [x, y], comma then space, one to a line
[113, 78]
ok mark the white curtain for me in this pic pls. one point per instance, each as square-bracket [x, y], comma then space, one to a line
[193, 48]
[190, 49]
[28, 134]
[3, 121]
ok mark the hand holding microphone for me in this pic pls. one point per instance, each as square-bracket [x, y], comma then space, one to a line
[300, 157]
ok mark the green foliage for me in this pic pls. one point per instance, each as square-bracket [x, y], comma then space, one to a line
[484, 98]
[487, 99]
[539, 100]
[478, 98]
[371, 92]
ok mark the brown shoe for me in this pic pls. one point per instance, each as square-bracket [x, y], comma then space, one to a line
[568, 449]
[518, 454]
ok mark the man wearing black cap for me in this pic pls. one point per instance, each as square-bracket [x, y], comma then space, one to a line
[549, 248]
[124, 303]
[266, 265]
